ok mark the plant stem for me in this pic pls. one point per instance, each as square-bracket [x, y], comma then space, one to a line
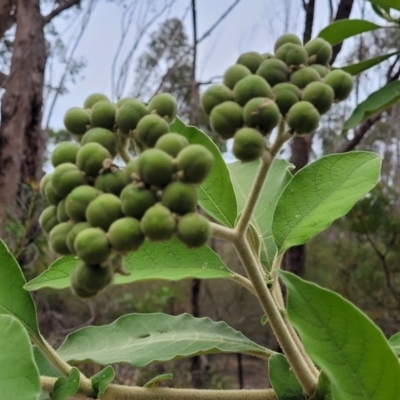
[241, 280]
[119, 392]
[222, 232]
[296, 360]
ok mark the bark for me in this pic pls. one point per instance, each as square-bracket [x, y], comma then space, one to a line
[22, 140]
[7, 15]
[309, 9]
[343, 11]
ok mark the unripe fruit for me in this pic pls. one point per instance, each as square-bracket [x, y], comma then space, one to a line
[319, 51]
[129, 113]
[150, 128]
[158, 223]
[64, 152]
[196, 162]
[90, 158]
[51, 195]
[321, 69]
[287, 38]
[101, 136]
[155, 167]
[104, 210]
[135, 202]
[89, 280]
[124, 100]
[76, 120]
[58, 238]
[267, 56]
[273, 71]
[341, 82]
[320, 95]
[286, 97]
[111, 182]
[303, 76]
[102, 115]
[248, 144]
[171, 143]
[226, 118]
[180, 198]
[73, 233]
[78, 200]
[215, 95]
[250, 87]
[234, 74]
[93, 99]
[61, 214]
[261, 113]
[193, 230]
[92, 246]
[43, 183]
[251, 60]
[48, 218]
[292, 54]
[165, 106]
[131, 168]
[287, 86]
[303, 117]
[65, 178]
[125, 234]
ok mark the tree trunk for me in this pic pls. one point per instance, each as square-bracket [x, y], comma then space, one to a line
[22, 139]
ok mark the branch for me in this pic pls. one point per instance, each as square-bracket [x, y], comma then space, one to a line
[217, 22]
[3, 78]
[309, 9]
[58, 10]
[343, 11]
[7, 16]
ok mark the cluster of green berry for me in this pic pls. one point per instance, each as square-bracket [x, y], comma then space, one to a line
[295, 84]
[99, 211]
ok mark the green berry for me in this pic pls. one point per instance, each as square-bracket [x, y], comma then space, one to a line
[250, 87]
[111, 182]
[234, 74]
[131, 168]
[51, 195]
[287, 38]
[248, 144]
[125, 234]
[61, 213]
[303, 117]
[155, 167]
[129, 113]
[304, 76]
[321, 69]
[158, 223]
[48, 218]
[251, 60]
[73, 233]
[171, 143]
[226, 119]
[287, 86]
[102, 115]
[135, 202]
[93, 99]
[58, 238]
[180, 198]
[65, 178]
[90, 158]
[104, 210]
[76, 120]
[319, 51]
[92, 246]
[341, 82]
[215, 95]
[320, 95]
[101, 136]
[193, 230]
[150, 128]
[164, 105]
[261, 113]
[64, 152]
[78, 200]
[292, 54]
[286, 97]
[273, 71]
[43, 183]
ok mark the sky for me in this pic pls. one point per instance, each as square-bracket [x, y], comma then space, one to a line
[251, 25]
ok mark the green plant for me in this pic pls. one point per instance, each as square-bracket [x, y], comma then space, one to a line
[330, 348]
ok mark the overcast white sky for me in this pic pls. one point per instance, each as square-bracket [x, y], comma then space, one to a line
[252, 25]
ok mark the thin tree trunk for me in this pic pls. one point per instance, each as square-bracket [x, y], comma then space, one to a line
[22, 140]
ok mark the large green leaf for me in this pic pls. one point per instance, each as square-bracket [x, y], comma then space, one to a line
[242, 175]
[43, 364]
[394, 342]
[320, 193]
[14, 300]
[343, 342]
[355, 69]
[375, 102]
[19, 375]
[324, 388]
[162, 260]
[140, 339]
[65, 387]
[101, 380]
[283, 380]
[387, 3]
[342, 29]
[216, 195]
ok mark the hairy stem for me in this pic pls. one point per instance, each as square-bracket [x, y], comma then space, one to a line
[222, 232]
[119, 392]
[241, 280]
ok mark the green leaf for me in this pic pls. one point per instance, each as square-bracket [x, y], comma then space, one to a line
[65, 387]
[264, 320]
[216, 195]
[44, 366]
[157, 379]
[342, 29]
[140, 339]
[324, 388]
[19, 375]
[283, 380]
[375, 102]
[387, 3]
[101, 380]
[242, 175]
[171, 261]
[394, 342]
[14, 300]
[355, 69]
[343, 342]
[320, 193]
